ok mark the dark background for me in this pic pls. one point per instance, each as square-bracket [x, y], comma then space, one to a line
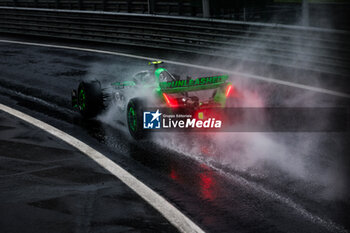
[328, 14]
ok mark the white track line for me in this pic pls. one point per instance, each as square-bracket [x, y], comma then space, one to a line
[175, 217]
[271, 80]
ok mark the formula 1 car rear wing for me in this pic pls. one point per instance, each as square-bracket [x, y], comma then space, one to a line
[198, 84]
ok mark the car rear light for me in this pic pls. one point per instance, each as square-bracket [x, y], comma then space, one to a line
[228, 90]
[170, 101]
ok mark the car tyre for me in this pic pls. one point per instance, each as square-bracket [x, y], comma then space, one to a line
[134, 116]
[90, 98]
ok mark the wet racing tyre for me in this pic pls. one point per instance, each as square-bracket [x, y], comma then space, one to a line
[90, 98]
[135, 119]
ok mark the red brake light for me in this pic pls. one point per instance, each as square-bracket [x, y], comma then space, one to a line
[228, 90]
[171, 102]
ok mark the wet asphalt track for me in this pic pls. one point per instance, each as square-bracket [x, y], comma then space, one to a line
[48, 186]
[217, 195]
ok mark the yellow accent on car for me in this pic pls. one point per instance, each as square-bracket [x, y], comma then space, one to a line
[200, 115]
[154, 62]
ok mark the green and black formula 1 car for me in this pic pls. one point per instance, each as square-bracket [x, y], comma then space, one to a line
[152, 88]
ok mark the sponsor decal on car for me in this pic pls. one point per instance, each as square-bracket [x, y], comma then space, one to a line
[194, 82]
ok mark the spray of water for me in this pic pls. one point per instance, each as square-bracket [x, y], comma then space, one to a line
[314, 159]
[309, 159]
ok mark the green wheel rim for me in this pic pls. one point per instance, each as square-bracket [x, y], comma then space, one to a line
[132, 119]
[82, 99]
